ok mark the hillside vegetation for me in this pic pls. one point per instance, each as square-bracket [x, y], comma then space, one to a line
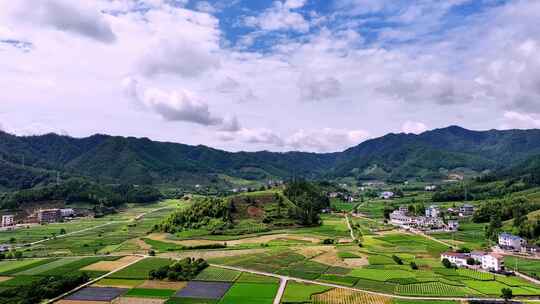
[431, 155]
[299, 205]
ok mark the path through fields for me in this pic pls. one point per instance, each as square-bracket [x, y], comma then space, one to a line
[138, 217]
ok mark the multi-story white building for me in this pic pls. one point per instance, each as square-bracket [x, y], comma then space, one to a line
[387, 195]
[67, 212]
[8, 220]
[466, 210]
[452, 225]
[487, 261]
[458, 259]
[433, 211]
[510, 241]
[492, 262]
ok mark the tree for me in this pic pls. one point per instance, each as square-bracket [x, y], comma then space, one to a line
[446, 263]
[397, 259]
[62, 231]
[471, 261]
[413, 266]
[506, 294]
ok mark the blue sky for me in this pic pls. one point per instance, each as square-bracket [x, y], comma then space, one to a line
[276, 75]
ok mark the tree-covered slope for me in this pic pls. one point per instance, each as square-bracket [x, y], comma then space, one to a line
[114, 159]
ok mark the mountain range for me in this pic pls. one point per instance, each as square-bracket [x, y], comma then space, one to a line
[26, 161]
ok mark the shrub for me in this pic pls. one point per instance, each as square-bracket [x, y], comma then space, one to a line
[183, 270]
[397, 259]
[446, 263]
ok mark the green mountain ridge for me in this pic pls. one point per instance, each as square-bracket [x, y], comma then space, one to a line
[114, 159]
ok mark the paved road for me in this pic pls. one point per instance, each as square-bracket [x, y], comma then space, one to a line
[287, 278]
[280, 292]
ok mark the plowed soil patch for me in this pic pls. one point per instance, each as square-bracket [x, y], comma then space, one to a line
[111, 265]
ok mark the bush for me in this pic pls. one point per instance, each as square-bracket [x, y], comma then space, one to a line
[446, 263]
[414, 266]
[397, 259]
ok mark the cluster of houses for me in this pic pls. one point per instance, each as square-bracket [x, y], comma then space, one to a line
[344, 196]
[44, 216]
[510, 242]
[8, 221]
[477, 259]
[432, 220]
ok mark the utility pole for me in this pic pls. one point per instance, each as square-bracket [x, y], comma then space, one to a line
[57, 178]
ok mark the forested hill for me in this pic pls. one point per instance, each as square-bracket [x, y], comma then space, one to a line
[27, 161]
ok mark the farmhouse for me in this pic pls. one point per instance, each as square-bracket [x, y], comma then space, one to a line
[8, 220]
[456, 258]
[432, 211]
[49, 215]
[466, 210]
[511, 242]
[430, 188]
[67, 212]
[386, 195]
[487, 261]
[402, 218]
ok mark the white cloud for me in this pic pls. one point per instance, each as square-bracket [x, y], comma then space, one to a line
[77, 17]
[326, 139]
[179, 105]
[413, 127]
[313, 88]
[516, 120]
[205, 6]
[280, 17]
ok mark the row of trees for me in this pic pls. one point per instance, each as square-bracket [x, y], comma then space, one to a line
[309, 199]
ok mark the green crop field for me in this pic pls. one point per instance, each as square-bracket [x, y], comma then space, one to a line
[141, 269]
[244, 293]
[299, 292]
[527, 266]
[11, 267]
[380, 274]
[190, 301]
[218, 274]
[46, 267]
[247, 277]
[434, 289]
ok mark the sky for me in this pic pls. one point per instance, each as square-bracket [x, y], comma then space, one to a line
[309, 75]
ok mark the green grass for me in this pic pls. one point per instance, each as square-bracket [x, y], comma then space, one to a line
[476, 275]
[140, 269]
[19, 281]
[247, 277]
[299, 292]
[434, 289]
[163, 246]
[527, 266]
[337, 279]
[380, 274]
[347, 255]
[12, 267]
[218, 274]
[404, 301]
[241, 293]
[46, 267]
[150, 293]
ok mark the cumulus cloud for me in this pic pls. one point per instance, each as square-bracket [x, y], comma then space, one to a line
[516, 120]
[77, 17]
[179, 105]
[326, 139]
[319, 88]
[413, 127]
[180, 57]
[205, 6]
[281, 16]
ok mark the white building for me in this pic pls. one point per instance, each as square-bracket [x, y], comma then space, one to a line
[466, 210]
[386, 195]
[8, 220]
[430, 188]
[68, 212]
[400, 218]
[433, 211]
[492, 262]
[509, 241]
[452, 225]
[487, 261]
[458, 259]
